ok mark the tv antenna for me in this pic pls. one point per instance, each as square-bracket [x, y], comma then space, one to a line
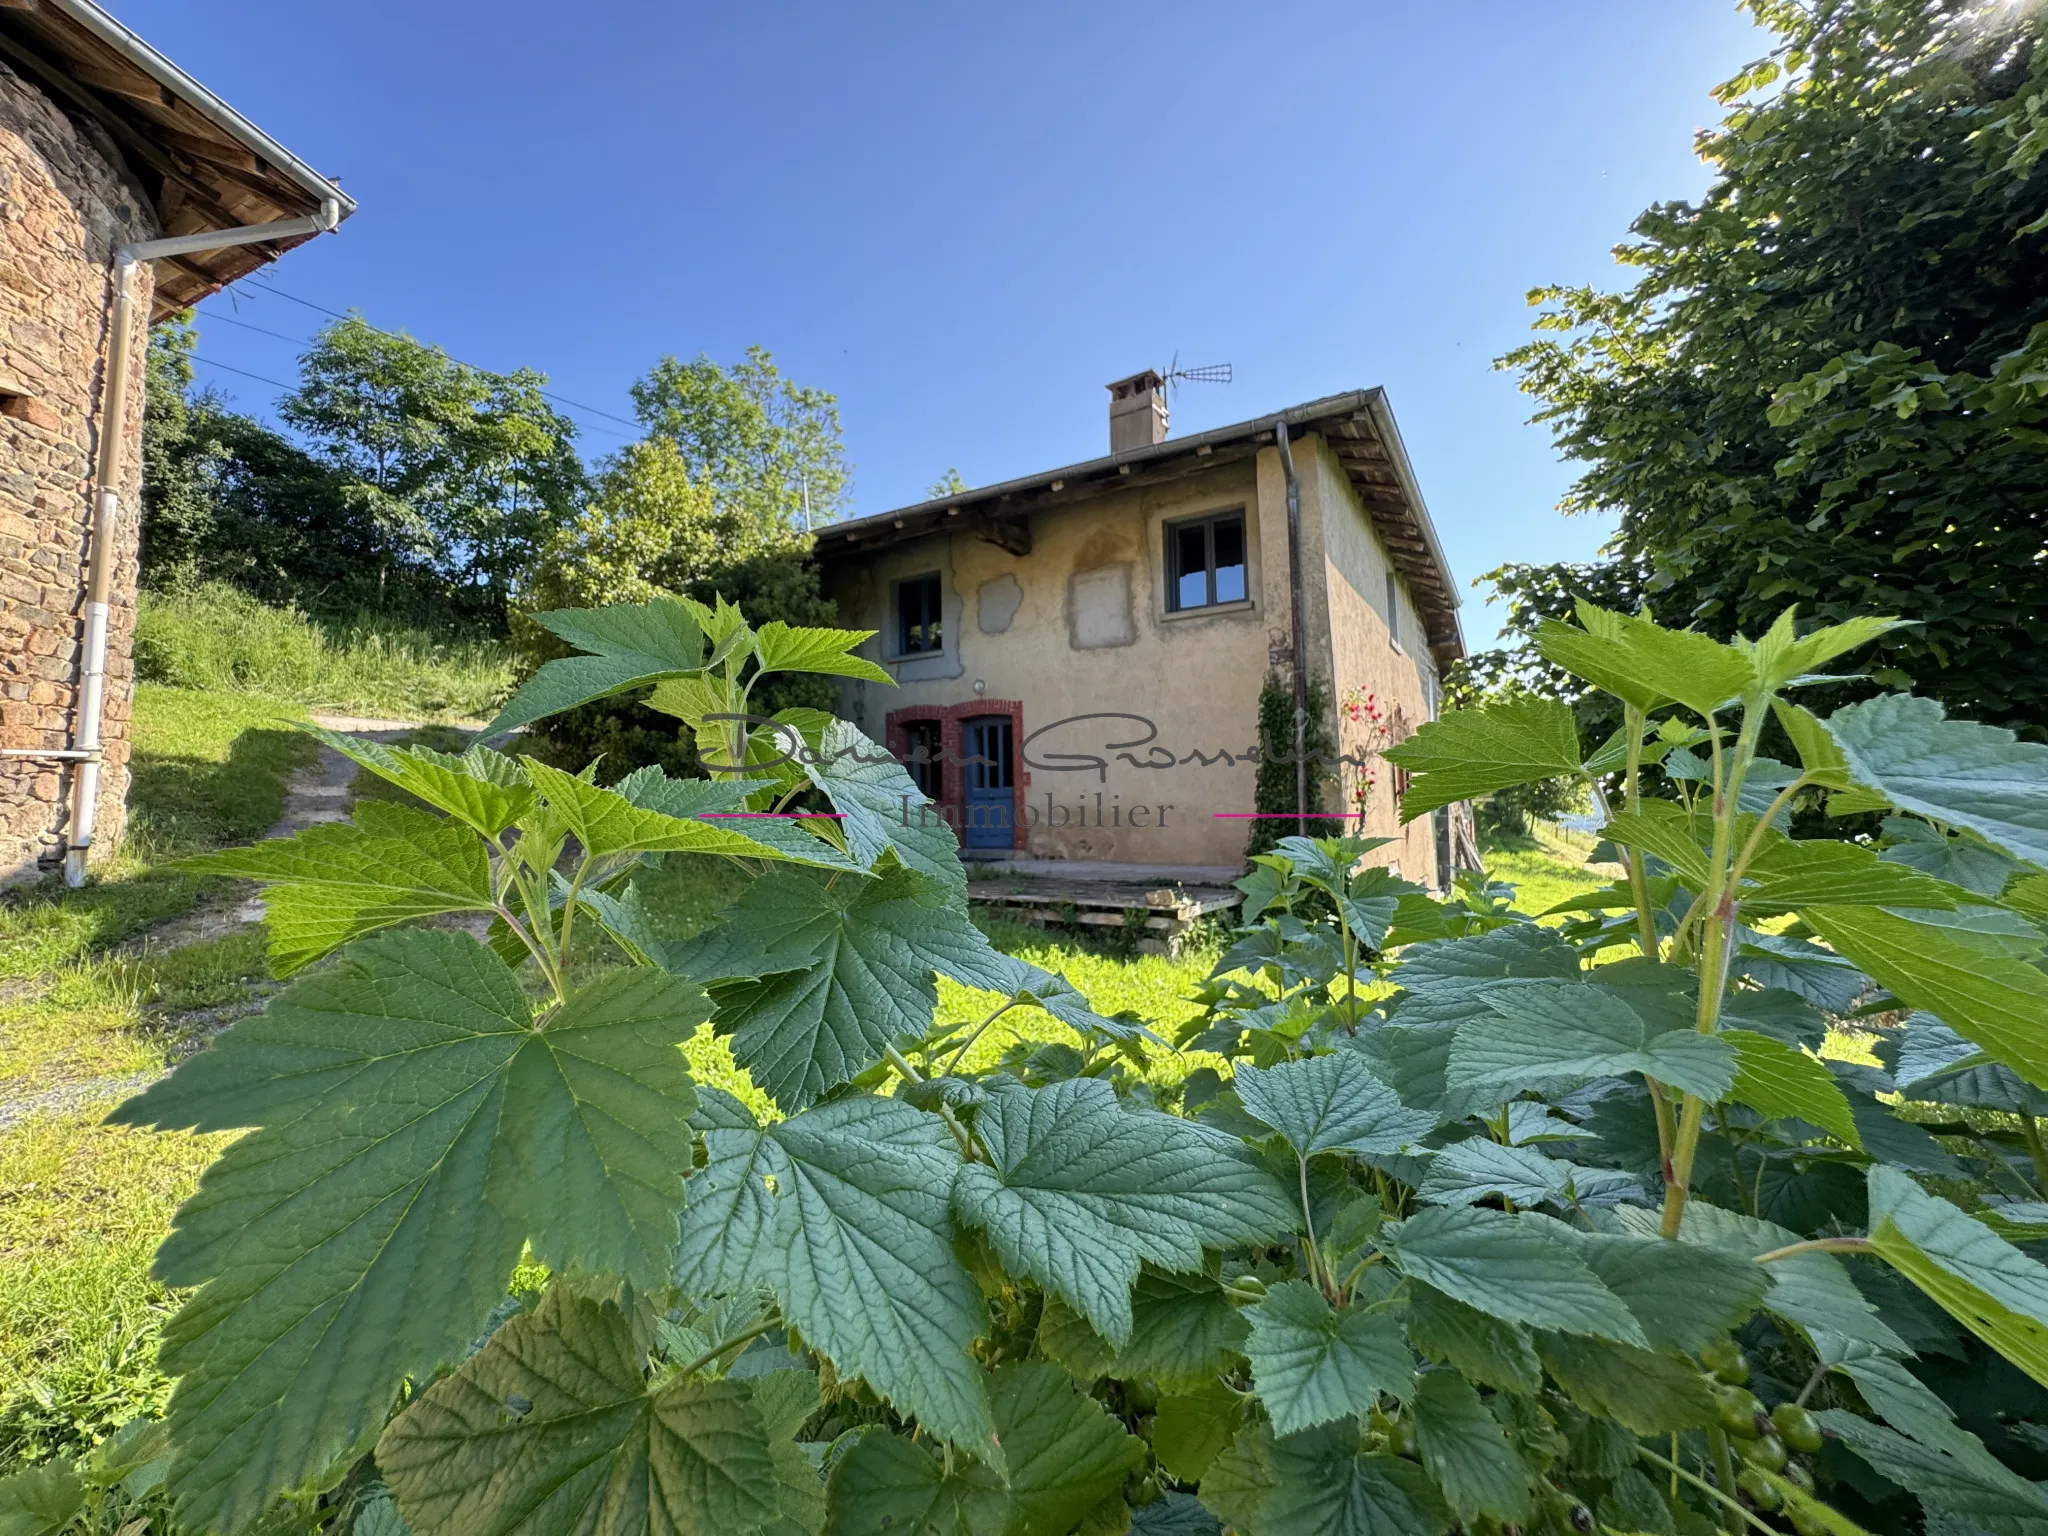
[1207, 373]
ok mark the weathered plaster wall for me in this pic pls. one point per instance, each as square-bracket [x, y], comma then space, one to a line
[1189, 683]
[65, 205]
[1349, 625]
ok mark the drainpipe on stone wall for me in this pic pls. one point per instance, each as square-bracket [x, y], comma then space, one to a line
[1300, 634]
[92, 679]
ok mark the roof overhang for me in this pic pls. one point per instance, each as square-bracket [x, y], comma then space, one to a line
[201, 164]
[1358, 426]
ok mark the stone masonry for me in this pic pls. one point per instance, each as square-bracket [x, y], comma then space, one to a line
[66, 203]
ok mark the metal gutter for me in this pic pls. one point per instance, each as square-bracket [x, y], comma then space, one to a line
[203, 101]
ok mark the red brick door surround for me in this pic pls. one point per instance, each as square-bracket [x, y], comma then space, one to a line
[952, 800]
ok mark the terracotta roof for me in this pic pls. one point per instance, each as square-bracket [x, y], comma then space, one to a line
[1359, 426]
[202, 165]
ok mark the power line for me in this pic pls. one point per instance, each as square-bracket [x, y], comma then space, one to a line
[273, 289]
[245, 373]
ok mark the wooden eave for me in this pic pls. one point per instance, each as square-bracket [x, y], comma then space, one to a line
[198, 163]
[1358, 426]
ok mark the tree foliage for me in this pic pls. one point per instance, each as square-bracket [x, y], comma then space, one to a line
[1829, 382]
[1471, 1221]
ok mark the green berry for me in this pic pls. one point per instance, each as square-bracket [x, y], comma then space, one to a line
[1797, 1428]
[1738, 1412]
[1725, 1360]
[1799, 1475]
[1758, 1489]
[1143, 1396]
[1766, 1451]
[1245, 1290]
[1806, 1522]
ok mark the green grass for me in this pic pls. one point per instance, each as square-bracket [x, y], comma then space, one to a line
[82, 1206]
[220, 640]
[1547, 867]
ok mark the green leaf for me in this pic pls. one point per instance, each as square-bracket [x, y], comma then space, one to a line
[1684, 1296]
[1549, 1033]
[1323, 1487]
[1645, 1390]
[844, 974]
[1332, 1104]
[1184, 1333]
[1079, 1192]
[41, 1501]
[1812, 1290]
[1472, 752]
[882, 809]
[1786, 876]
[1781, 1081]
[781, 647]
[1669, 831]
[1469, 1171]
[334, 883]
[634, 643]
[1972, 982]
[888, 1486]
[1311, 1364]
[1240, 1479]
[1980, 1279]
[1492, 1352]
[1191, 1429]
[414, 1131]
[1644, 663]
[842, 1212]
[606, 822]
[1065, 1454]
[552, 1426]
[1064, 1451]
[480, 788]
[1819, 756]
[1979, 1488]
[1467, 1452]
[1956, 772]
[1521, 1268]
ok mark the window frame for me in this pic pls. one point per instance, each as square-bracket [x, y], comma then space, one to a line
[1170, 531]
[934, 618]
[1394, 610]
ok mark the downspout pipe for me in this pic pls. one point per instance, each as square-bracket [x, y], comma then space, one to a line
[1300, 631]
[92, 678]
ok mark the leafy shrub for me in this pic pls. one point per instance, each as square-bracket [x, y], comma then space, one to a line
[1490, 1224]
[219, 639]
[1274, 785]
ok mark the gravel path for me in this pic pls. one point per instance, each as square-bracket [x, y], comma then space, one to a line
[314, 794]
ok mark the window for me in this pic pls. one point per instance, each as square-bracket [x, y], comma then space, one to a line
[1205, 562]
[1393, 608]
[919, 627]
[921, 738]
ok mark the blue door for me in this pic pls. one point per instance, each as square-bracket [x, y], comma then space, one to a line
[991, 781]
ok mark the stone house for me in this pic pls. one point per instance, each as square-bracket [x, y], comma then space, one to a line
[1080, 653]
[128, 191]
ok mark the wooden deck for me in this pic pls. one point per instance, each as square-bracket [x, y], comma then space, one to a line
[1169, 911]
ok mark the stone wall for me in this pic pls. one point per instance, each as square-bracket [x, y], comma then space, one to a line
[66, 202]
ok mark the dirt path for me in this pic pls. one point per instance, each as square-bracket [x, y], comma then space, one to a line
[317, 793]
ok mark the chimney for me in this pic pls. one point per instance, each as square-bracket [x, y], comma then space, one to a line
[1137, 412]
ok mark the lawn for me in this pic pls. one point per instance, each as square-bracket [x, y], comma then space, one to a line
[86, 997]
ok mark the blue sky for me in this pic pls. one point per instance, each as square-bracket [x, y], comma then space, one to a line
[964, 220]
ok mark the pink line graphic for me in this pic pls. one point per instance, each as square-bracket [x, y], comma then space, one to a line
[783, 815]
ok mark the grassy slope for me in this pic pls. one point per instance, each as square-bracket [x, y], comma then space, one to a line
[82, 1206]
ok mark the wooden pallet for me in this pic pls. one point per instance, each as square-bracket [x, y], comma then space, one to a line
[1171, 912]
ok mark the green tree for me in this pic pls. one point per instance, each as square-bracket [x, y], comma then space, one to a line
[651, 529]
[948, 484]
[1829, 382]
[460, 470]
[768, 449]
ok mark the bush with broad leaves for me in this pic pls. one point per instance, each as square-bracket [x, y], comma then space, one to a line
[1468, 1221]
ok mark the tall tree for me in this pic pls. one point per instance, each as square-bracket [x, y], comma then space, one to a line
[460, 469]
[1829, 381]
[768, 449]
